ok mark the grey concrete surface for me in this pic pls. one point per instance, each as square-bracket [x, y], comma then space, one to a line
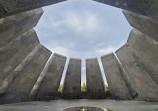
[94, 79]
[13, 26]
[25, 81]
[143, 7]
[26, 74]
[146, 25]
[140, 80]
[60, 105]
[116, 83]
[8, 7]
[126, 78]
[146, 50]
[12, 54]
[72, 83]
[138, 56]
[16, 71]
[53, 75]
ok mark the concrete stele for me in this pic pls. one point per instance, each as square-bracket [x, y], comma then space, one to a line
[12, 54]
[146, 52]
[72, 83]
[16, 25]
[95, 84]
[116, 84]
[143, 7]
[144, 24]
[26, 74]
[144, 85]
[53, 74]
[8, 7]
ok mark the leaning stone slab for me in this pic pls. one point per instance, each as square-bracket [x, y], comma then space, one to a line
[52, 74]
[23, 78]
[13, 26]
[144, 85]
[12, 54]
[95, 84]
[146, 25]
[72, 83]
[10, 7]
[116, 83]
[146, 52]
[143, 7]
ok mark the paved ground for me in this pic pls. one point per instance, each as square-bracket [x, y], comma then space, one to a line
[59, 105]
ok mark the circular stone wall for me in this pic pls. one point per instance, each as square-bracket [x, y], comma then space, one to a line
[84, 109]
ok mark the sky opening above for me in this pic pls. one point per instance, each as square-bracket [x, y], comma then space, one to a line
[82, 29]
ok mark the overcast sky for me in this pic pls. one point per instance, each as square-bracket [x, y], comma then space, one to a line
[82, 29]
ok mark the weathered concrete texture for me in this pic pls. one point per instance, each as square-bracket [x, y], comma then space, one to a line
[26, 74]
[95, 84]
[8, 7]
[143, 7]
[146, 25]
[19, 68]
[116, 84]
[53, 74]
[14, 26]
[72, 83]
[60, 105]
[12, 54]
[126, 79]
[146, 52]
[144, 85]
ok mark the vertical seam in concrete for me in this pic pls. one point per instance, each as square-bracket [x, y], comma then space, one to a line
[40, 78]
[125, 77]
[140, 64]
[103, 73]
[20, 67]
[64, 73]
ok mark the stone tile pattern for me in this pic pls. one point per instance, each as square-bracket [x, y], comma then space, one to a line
[144, 85]
[53, 75]
[72, 82]
[116, 84]
[95, 84]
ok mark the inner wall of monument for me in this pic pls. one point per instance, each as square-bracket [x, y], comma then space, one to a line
[29, 71]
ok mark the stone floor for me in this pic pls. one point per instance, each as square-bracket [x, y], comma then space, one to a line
[59, 105]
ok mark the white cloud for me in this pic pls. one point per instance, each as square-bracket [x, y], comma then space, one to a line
[107, 50]
[60, 50]
[85, 23]
[84, 30]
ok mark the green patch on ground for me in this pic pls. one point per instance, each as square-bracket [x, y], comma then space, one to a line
[83, 88]
[60, 88]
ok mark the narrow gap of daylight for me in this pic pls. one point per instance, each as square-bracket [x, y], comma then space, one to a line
[64, 72]
[83, 74]
[102, 71]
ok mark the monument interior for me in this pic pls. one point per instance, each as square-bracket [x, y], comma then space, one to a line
[30, 76]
